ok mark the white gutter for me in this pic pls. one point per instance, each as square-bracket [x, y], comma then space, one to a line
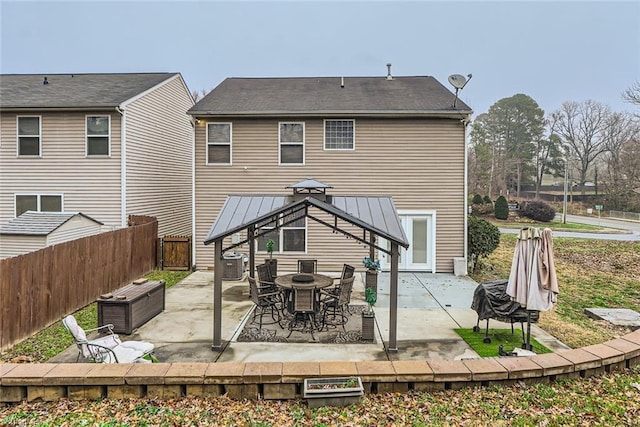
[193, 194]
[123, 165]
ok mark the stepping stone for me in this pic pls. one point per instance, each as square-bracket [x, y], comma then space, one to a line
[616, 316]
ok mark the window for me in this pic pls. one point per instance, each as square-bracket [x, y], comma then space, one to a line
[38, 202]
[28, 135]
[98, 129]
[219, 143]
[289, 238]
[291, 137]
[339, 134]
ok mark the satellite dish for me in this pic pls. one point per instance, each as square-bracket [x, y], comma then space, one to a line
[457, 80]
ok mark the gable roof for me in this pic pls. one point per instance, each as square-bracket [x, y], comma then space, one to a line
[372, 213]
[71, 91]
[32, 223]
[420, 95]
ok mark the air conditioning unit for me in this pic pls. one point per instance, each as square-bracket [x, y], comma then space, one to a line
[232, 266]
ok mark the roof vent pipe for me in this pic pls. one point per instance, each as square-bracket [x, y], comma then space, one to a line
[46, 81]
[389, 72]
[342, 82]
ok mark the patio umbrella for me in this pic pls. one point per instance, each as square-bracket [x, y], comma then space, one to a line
[532, 280]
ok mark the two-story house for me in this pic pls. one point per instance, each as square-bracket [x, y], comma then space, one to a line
[106, 145]
[385, 136]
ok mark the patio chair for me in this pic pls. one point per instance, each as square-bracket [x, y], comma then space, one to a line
[308, 266]
[347, 272]
[265, 301]
[337, 304]
[109, 348]
[305, 307]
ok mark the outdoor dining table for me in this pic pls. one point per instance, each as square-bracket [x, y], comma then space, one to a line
[319, 281]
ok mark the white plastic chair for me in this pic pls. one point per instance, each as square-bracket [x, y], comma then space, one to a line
[109, 348]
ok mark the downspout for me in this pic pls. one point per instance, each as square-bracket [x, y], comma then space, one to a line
[465, 123]
[123, 165]
[193, 194]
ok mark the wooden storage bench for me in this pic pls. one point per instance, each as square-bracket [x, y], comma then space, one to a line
[132, 305]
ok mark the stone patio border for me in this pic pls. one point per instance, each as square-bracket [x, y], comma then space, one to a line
[276, 380]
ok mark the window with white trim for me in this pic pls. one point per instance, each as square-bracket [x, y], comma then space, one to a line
[219, 136]
[289, 238]
[38, 203]
[339, 134]
[29, 131]
[291, 137]
[98, 130]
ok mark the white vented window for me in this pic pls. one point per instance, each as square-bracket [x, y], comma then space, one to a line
[219, 137]
[291, 137]
[29, 132]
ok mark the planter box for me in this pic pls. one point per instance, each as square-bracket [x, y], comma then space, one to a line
[368, 326]
[131, 306]
[371, 280]
[340, 391]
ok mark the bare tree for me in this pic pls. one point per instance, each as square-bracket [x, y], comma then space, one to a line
[632, 95]
[198, 94]
[583, 127]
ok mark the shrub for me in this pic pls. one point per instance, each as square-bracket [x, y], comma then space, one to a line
[477, 199]
[482, 239]
[539, 210]
[487, 199]
[482, 209]
[502, 208]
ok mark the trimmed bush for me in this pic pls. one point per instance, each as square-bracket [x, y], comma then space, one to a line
[539, 210]
[477, 199]
[487, 199]
[502, 208]
[482, 239]
[482, 209]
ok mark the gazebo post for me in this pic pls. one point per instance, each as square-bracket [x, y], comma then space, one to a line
[393, 301]
[252, 251]
[217, 296]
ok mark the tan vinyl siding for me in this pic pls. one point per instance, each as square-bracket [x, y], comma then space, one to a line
[419, 162]
[90, 185]
[75, 228]
[159, 153]
[11, 246]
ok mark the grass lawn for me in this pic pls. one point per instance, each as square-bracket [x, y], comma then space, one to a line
[555, 225]
[55, 338]
[498, 337]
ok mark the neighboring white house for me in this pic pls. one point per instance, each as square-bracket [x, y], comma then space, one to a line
[36, 230]
[107, 145]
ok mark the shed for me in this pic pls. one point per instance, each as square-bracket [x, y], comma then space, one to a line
[32, 231]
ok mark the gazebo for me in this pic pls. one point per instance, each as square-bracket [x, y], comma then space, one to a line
[376, 216]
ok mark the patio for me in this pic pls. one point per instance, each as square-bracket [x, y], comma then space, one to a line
[430, 307]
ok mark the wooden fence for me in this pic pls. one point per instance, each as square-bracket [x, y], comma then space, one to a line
[176, 252]
[39, 288]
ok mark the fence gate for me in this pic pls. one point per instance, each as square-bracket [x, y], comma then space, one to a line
[176, 253]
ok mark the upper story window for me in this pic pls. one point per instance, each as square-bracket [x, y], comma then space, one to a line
[291, 136]
[38, 203]
[339, 134]
[219, 136]
[29, 132]
[98, 135]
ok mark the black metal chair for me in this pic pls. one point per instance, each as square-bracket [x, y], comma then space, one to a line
[347, 272]
[308, 266]
[265, 277]
[337, 304]
[265, 302]
[305, 306]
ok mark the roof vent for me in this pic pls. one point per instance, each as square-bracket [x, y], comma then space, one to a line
[389, 71]
[342, 82]
[46, 81]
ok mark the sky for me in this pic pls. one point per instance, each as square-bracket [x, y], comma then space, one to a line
[552, 51]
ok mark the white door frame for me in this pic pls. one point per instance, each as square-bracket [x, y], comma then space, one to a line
[405, 257]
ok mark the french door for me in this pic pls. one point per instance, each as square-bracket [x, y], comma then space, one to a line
[420, 231]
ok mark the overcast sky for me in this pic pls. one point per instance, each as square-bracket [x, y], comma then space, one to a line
[551, 51]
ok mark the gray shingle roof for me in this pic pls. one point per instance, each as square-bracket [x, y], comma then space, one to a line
[33, 223]
[373, 213]
[74, 90]
[324, 95]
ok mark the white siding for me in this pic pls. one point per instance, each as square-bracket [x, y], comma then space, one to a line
[159, 151]
[75, 228]
[420, 163]
[11, 246]
[90, 185]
